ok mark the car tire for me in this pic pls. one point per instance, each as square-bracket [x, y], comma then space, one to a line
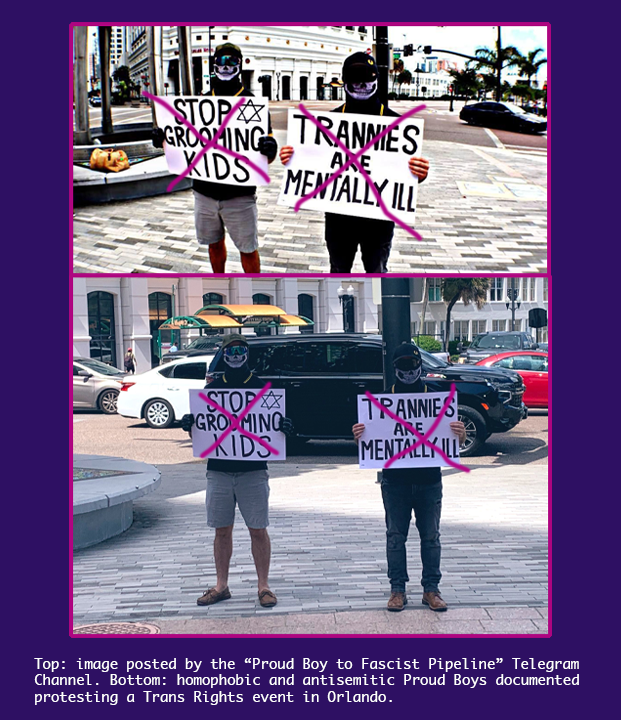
[158, 414]
[107, 400]
[476, 430]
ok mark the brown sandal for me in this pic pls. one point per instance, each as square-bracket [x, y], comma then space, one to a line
[267, 598]
[212, 596]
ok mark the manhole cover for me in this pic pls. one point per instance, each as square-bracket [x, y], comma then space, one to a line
[117, 629]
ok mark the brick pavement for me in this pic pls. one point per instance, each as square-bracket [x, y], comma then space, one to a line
[471, 233]
[328, 559]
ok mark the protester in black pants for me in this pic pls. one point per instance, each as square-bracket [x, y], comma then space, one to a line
[345, 233]
[412, 489]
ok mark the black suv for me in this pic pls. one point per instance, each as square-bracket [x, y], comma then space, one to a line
[323, 374]
[199, 346]
[491, 343]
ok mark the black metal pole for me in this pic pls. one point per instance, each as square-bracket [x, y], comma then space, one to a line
[382, 60]
[395, 321]
[498, 68]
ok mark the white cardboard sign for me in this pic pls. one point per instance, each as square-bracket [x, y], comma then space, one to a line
[316, 158]
[241, 134]
[384, 437]
[260, 421]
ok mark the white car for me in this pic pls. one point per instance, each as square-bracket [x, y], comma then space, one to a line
[160, 395]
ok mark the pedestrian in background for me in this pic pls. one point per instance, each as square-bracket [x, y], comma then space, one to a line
[131, 364]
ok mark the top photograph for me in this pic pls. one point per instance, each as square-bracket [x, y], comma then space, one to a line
[310, 149]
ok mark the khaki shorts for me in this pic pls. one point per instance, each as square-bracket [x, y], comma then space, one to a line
[249, 490]
[237, 215]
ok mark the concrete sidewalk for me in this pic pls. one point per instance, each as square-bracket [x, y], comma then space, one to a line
[328, 557]
[480, 210]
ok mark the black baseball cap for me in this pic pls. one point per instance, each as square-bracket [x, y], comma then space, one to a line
[228, 49]
[359, 67]
[407, 351]
[234, 338]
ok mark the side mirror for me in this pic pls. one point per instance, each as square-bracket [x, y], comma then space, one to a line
[85, 374]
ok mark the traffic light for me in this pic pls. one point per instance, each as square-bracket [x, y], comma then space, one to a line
[408, 50]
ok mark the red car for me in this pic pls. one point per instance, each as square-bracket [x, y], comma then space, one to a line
[532, 366]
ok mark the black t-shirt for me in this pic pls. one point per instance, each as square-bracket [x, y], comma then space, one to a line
[414, 476]
[234, 383]
[221, 191]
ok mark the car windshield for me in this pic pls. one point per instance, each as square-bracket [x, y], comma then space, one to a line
[494, 342]
[516, 109]
[99, 367]
[203, 342]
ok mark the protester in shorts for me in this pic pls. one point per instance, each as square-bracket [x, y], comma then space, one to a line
[217, 206]
[345, 233]
[417, 489]
[232, 483]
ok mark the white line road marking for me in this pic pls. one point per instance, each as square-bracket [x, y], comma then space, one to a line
[494, 139]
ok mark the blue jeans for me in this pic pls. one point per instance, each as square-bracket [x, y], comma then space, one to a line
[399, 501]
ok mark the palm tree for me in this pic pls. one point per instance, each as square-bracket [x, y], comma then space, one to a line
[465, 289]
[465, 82]
[488, 58]
[404, 78]
[529, 65]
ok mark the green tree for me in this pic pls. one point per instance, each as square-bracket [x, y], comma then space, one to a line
[404, 78]
[465, 82]
[488, 58]
[529, 64]
[468, 290]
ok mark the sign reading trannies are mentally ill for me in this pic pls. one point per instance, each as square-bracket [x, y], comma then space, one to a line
[384, 437]
[246, 125]
[316, 158]
[211, 421]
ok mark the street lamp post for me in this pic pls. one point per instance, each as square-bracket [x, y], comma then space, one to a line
[515, 301]
[346, 299]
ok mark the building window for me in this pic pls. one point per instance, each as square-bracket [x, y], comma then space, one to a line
[434, 293]
[430, 328]
[413, 328]
[262, 299]
[545, 289]
[101, 327]
[460, 330]
[495, 292]
[160, 309]
[499, 325]
[478, 327]
[518, 325]
[213, 299]
[306, 308]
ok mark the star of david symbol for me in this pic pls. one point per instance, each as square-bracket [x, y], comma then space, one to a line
[245, 110]
[270, 401]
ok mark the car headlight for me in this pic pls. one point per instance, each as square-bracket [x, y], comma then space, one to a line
[504, 395]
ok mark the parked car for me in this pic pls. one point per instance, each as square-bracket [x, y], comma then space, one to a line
[503, 115]
[492, 343]
[322, 375]
[198, 346]
[160, 395]
[542, 346]
[96, 385]
[533, 368]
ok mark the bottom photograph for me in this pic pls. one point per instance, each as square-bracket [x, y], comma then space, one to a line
[310, 456]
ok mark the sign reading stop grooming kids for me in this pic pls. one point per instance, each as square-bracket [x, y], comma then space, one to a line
[385, 436]
[238, 424]
[244, 125]
[316, 158]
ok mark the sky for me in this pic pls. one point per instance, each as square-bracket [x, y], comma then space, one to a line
[467, 39]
